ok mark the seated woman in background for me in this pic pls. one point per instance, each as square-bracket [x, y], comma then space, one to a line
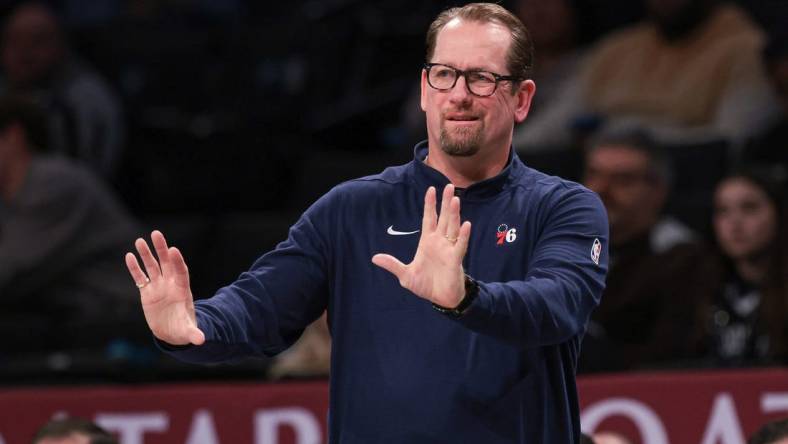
[746, 315]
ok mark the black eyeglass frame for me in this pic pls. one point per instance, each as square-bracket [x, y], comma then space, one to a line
[459, 72]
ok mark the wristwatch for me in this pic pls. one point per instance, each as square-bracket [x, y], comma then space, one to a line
[471, 291]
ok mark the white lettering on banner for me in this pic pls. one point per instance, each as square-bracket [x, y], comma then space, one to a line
[302, 421]
[203, 429]
[132, 426]
[649, 426]
[774, 402]
[723, 426]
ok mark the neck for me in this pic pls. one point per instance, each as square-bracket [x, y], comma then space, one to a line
[752, 270]
[14, 176]
[463, 172]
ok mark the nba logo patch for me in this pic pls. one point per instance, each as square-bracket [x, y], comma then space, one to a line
[596, 251]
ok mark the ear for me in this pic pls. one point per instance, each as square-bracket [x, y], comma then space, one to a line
[424, 87]
[524, 95]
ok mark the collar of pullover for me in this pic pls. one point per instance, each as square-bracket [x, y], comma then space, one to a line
[427, 176]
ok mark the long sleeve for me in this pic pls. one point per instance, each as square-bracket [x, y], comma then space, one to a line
[267, 308]
[563, 283]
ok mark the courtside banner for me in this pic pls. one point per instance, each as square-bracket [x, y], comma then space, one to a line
[719, 407]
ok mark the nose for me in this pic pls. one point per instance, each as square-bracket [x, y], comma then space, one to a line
[460, 92]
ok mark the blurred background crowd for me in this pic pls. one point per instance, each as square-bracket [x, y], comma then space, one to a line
[220, 122]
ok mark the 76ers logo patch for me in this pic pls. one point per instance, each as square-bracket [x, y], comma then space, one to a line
[596, 251]
[506, 234]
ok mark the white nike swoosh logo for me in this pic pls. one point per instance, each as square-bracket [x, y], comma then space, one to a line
[394, 232]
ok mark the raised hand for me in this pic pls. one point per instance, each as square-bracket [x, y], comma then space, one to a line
[436, 272]
[165, 293]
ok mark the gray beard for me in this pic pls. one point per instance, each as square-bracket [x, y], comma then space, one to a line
[463, 143]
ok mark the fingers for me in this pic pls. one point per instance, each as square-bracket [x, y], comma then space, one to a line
[463, 237]
[430, 217]
[448, 194]
[151, 266]
[134, 269]
[179, 270]
[390, 264]
[452, 218]
[160, 244]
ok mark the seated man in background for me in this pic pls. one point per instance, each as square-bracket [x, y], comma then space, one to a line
[61, 234]
[72, 431]
[691, 73]
[643, 317]
[84, 115]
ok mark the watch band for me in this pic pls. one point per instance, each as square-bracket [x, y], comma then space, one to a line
[471, 291]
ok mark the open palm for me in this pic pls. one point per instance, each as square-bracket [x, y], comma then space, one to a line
[165, 293]
[436, 272]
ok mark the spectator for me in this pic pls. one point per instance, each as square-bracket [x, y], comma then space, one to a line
[747, 314]
[56, 282]
[642, 318]
[555, 32]
[85, 117]
[691, 73]
[775, 432]
[309, 357]
[72, 431]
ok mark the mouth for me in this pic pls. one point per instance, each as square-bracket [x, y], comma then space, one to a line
[461, 118]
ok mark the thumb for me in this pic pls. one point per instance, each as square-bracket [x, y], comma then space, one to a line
[196, 336]
[390, 264]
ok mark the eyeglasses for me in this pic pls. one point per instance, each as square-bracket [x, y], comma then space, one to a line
[479, 83]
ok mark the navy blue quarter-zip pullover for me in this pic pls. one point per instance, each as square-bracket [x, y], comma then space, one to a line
[402, 372]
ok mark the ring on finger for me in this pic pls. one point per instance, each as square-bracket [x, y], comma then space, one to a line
[450, 239]
[142, 285]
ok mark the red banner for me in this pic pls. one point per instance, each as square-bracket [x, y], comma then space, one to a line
[722, 407]
[650, 408]
[174, 414]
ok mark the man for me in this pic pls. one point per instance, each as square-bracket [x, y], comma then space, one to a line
[85, 116]
[476, 339]
[644, 314]
[72, 431]
[58, 288]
